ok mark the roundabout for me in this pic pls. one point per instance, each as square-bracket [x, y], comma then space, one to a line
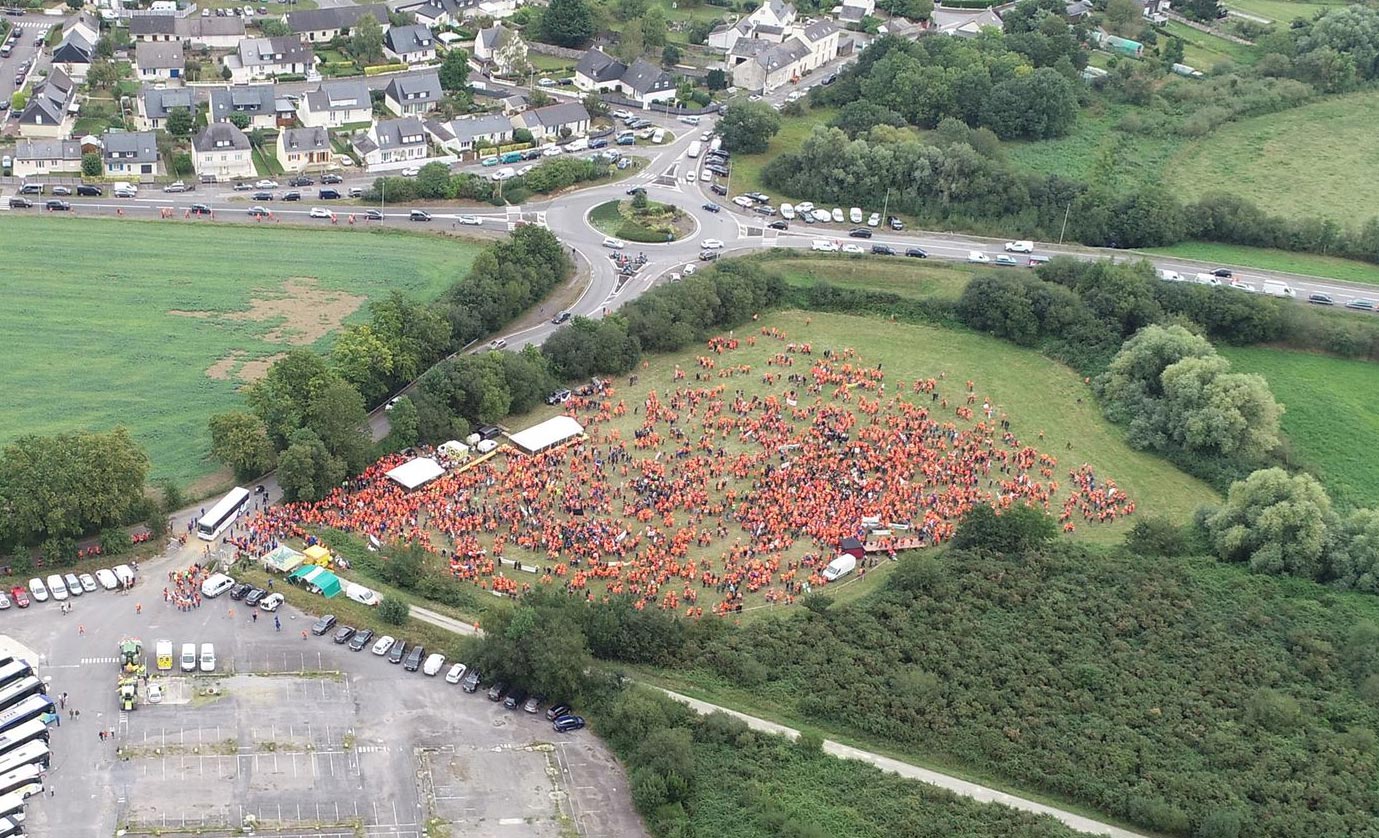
[641, 221]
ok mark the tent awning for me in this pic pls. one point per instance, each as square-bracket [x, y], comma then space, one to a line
[415, 473]
[547, 434]
[281, 559]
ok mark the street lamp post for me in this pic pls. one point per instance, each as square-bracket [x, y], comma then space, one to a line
[1066, 213]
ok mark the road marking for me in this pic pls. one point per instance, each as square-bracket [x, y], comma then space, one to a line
[86, 661]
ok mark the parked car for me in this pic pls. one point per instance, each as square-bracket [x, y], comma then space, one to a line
[31, 189]
[854, 249]
[860, 233]
[356, 192]
[708, 255]
[414, 658]
[343, 634]
[718, 189]
[323, 625]
[327, 179]
[613, 243]
[823, 246]
[107, 578]
[497, 692]
[917, 252]
[556, 711]
[20, 203]
[261, 196]
[258, 212]
[568, 724]
[88, 583]
[383, 645]
[397, 651]
[240, 591]
[433, 664]
[20, 596]
[177, 186]
[1019, 247]
[272, 602]
[558, 397]
[1223, 273]
[779, 225]
[37, 591]
[711, 244]
[532, 704]
[266, 184]
[471, 220]
[254, 597]
[455, 674]
[515, 699]
[977, 257]
[471, 681]
[301, 180]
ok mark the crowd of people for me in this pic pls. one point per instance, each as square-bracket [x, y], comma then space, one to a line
[718, 491]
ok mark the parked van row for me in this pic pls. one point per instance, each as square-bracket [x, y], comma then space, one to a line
[62, 586]
[189, 660]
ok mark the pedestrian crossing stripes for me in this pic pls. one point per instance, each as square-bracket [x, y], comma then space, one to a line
[371, 749]
[85, 661]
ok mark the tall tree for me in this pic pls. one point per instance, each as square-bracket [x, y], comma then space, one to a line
[1278, 523]
[180, 122]
[748, 127]
[306, 470]
[567, 23]
[336, 414]
[280, 397]
[366, 40]
[454, 71]
[240, 441]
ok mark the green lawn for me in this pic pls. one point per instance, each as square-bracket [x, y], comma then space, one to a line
[1259, 159]
[904, 277]
[1332, 267]
[746, 168]
[1282, 11]
[1098, 152]
[1204, 51]
[93, 341]
[1332, 418]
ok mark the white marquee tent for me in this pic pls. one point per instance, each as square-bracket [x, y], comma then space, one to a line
[547, 435]
[415, 473]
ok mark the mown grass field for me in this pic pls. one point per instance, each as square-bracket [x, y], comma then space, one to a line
[1332, 267]
[1280, 11]
[1259, 159]
[93, 340]
[902, 276]
[1203, 51]
[1332, 418]
[794, 130]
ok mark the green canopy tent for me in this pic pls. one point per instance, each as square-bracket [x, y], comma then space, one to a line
[318, 579]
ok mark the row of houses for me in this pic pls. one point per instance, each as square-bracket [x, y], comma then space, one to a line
[772, 46]
[124, 154]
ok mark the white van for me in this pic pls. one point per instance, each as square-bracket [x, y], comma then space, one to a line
[855, 215]
[787, 212]
[163, 656]
[361, 594]
[216, 584]
[188, 657]
[208, 657]
[841, 566]
[1278, 289]
[56, 588]
[690, 120]
[124, 574]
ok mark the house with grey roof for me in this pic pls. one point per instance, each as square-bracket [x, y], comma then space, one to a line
[153, 28]
[304, 149]
[130, 154]
[155, 103]
[74, 55]
[392, 143]
[322, 25]
[641, 81]
[761, 66]
[436, 13]
[159, 60]
[52, 107]
[257, 101]
[467, 133]
[222, 151]
[597, 70]
[266, 58]
[46, 157]
[336, 103]
[410, 44]
[413, 95]
[214, 32]
[555, 121]
[771, 21]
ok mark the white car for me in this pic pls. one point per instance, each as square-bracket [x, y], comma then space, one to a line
[1019, 247]
[804, 207]
[822, 216]
[321, 212]
[56, 588]
[824, 246]
[179, 186]
[855, 215]
[711, 244]
[855, 249]
[506, 173]
[272, 602]
[411, 171]
[787, 212]
[472, 220]
[622, 113]
[978, 257]
[874, 220]
[361, 594]
[690, 177]
[613, 243]
[433, 664]
[456, 674]
[37, 591]
[486, 445]
[744, 202]
[706, 136]
[383, 645]
[547, 82]
[107, 579]
[266, 184]
[837, 215]
[690, 269]
[497, 343]
[551, 151]
[73, 584]
[154, 693]
[88, 584]
[216, 584]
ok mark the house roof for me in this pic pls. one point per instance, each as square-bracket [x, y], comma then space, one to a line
[467, 128]
[782, 55]
[398, 133]
[600, 66]
[341, 95]
[306, 139]
[47, 150]
[489, 37]
[818, 30]
[421, 87]
[433, 9]
[852, 14]
[254, 52]
[565, 113]
[153, 25]
[644, 77]
[251, 99]
[335, 17]
[405, 39]
[50, 100]
[159, 55]
[72, 50]
[139, 146]
[159, 102]
[193, 26]
[220, 136]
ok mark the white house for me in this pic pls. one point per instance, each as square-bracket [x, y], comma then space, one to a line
[46, 157]
[159, 61]
[222, 151]
[301, 149]
[413, 95]
[500, 48]
[336, 103]
[257, 101]
[461, 136]
[437, 13]
[410, 44]
[554, 121]
[155, 103]
[214, 32]
[85, 25]
[769, 22]
[130, 154]
[74, 55]
[761, 66]
[265, 58]
[392, 143]
[322, 25]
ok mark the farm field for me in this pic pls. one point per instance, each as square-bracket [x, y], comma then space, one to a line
[1261, 258]
[1280, 11]
[156, 325]
[1257, 159]
[1097, 151]
[902, 276]
[1332, 420]
[1203, 51]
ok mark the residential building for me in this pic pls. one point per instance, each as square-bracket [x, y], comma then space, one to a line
[52, 107]
[596, 70]
[437, 13]
[1155, 11]
[155, 103]
[301, 149]
[322, 25]
[86, 25]
[410, 44]
[555, 121]
[266, 58]
[222, 151]
[159, 60]
[336, 103]
[461, 136]
[153, 28]
[257, 101]
[769, 22]
[74, 55]
[852, 11]
[964, 23]
[413, 95]
[500, 49]
[214, 32]
[392, 143]
[130, 153]
[761, 66]
[643, 81]
[46, 157]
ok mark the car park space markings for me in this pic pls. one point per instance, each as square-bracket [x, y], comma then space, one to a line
[87, 661]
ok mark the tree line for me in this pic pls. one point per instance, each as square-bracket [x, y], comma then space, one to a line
[434, 182]
[307, 416]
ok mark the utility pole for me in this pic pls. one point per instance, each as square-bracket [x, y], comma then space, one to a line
[1066, 213]
[885, 207]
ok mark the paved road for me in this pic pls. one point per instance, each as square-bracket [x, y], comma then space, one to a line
[25, 49]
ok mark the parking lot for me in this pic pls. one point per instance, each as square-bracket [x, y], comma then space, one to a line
[298, 737]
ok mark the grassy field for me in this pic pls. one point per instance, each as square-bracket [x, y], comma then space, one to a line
[1257, 159]
[914, 278]
[1098, 152]
[746, 168]
[155, 325]
[1204, 51]
[1332, 267]
[1332, 419]
[1282, 11]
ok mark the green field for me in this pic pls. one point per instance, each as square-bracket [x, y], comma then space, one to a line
[1332, 418]
[1259, 159]
[904, 277]
[1204, 51]
[1281, 11]
[1331, 267]
[155, 325]
[1098, 152]
[794, 130]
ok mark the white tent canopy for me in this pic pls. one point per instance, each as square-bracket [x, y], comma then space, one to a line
[547, 434]
[414, 473]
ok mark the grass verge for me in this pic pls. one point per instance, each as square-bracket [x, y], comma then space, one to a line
[1265, 259]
